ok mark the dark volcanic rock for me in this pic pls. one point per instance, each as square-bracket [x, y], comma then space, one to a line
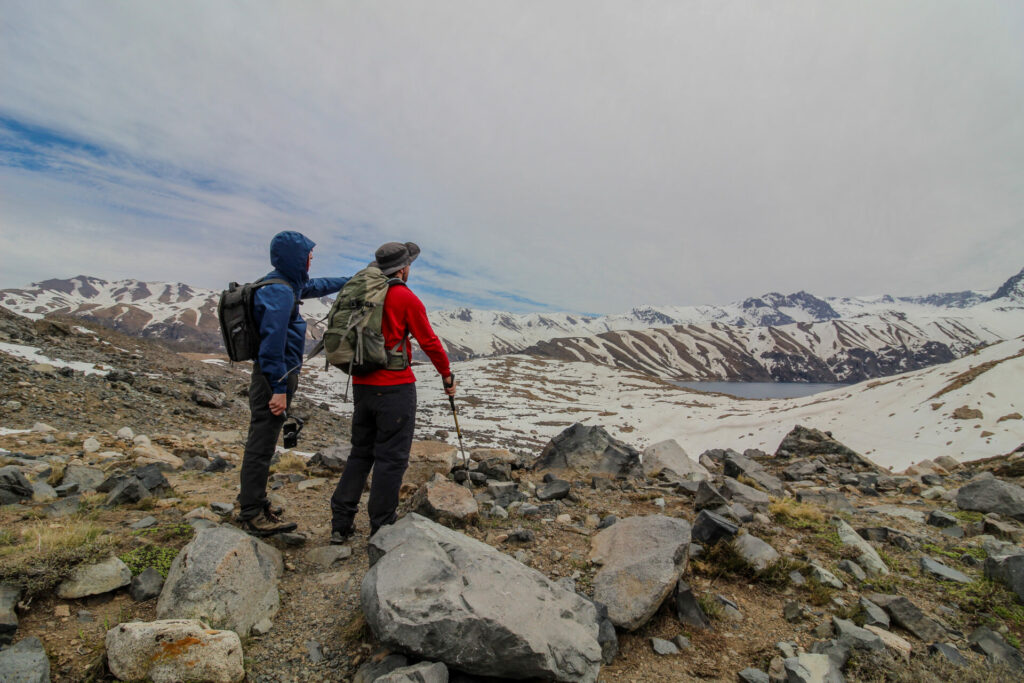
[992, 645]
[590, 449]
[14, 487]
[1008, 569]
[802, 442]
[709, 528]
[992, 495]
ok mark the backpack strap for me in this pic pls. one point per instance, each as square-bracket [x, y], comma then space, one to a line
[276, 281]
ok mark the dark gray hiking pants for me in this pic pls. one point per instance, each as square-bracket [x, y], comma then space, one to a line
[382, 427]
[264, 430]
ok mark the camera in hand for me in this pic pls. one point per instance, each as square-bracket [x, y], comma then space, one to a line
[292, 427]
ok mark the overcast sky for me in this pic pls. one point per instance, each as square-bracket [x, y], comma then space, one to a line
[551, 155]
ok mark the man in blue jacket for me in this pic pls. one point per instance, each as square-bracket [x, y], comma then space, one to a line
[275, 372]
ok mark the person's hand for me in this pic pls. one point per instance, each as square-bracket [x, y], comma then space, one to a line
[449, 385]
[278, 403]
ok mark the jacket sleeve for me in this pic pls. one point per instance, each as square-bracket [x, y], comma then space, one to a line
[419, 327]
[273, 306]
[322, 286]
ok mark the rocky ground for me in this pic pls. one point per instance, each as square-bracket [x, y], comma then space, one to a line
[710, 567]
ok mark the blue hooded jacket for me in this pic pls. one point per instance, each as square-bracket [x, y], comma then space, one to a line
[276, 307]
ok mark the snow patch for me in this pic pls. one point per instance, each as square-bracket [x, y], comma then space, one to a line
[34, 355]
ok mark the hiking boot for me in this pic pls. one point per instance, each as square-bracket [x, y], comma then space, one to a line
[271, 512]
[263, 525]
[341, 537]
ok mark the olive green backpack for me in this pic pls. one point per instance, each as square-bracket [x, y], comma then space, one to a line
[354, 340]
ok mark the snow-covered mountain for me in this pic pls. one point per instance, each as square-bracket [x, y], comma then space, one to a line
[774, 336]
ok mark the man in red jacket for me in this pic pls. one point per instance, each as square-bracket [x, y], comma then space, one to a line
[385, 403]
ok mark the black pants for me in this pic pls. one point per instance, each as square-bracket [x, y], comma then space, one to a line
[382, 427]
[264, 430]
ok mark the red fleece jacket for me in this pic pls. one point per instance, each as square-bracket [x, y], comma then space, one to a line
[405, 314]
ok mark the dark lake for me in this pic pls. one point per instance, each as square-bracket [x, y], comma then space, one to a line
[762, 389]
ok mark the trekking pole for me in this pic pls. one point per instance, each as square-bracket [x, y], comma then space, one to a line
[455, 414]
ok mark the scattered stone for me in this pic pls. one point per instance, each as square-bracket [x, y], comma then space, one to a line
[868, 559]
[445, 502]
[25, 662]
[224, 577]
[937, 569]
[942, 519]
[794, 612]
[126, 491]
[504, 493]
[222, 509]
[900, 646]
[855, 637]
[9, 597]
[1001, 529]
[682, 642]
[424, 672]
[14, 487]
[174, 650]
[125, 434]
[208, 398]
[669, 460]
[87, 478]
[664, 647]
[755, 552]
[915, 516]
[949, 652]
[1009, 569]
[292, 539]
[437, 593]
[325, 556]
[427, 458]
[688, 609]
[812, 668]
[310, 484]
[43, 492]
[709, 528]
[91, 445]
[95, 579]
[997, 650]
[146, 585]
[144, 523]
[85, 616]
[708, 497]
[908, 616]
[521, 535]
[853, 569]
[262, 627]
[751, 675]
[735, 465]
[641, 561]
[556, 489]
[589, 449]
[741, 493]
[873, 614]
[992, 495]
[372, 670]
[825, 577]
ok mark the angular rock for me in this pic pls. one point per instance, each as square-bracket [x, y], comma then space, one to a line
[95, 579]
[223, 577]
[505, 493]
[589, 449]
[873, 614]
[174, 650]
[43, 492]
[708, 497]
[908, 616]
[87, 478]
[126, 491]
[855, 637]
[436, 593]
[327, 555]
[25, 662]
[826, 578]
[14, 487]
[641, 561]
[424, 672]
[146, 585]
[741, 493]
[868, 558]
[9, 597]
[333, 458]
[208, 399]
[1009, 569]
[756, 552]
[992, 495]
[949, 652]
[668, 459]
[735, 465]
[813, 668]
[709, 528]
[942, 519]
[664, 647]
[804, 443]
[935, 568]
[752, 675]
[853, 569]
[154, 455]
[427, 458]
[372, 670]
[998, 651]
[556, 489]
[688, 609]
[898, 645]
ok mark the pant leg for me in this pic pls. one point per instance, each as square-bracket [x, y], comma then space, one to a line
[396, 420]
[345, 501]
[264, 430]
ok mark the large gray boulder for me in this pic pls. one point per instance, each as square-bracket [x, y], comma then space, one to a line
[14, 487]
[225, 578]
[439, 594]
[95, 579]
[642, 559]
[25, 662]
[1008, 569]
[992, 495]
[87, 478]
[668, 459]
[589, 449]
[174, 650]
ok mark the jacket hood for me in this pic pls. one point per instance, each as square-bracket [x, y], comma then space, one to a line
[289, 251]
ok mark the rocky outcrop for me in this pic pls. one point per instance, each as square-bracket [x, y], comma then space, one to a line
[437, 593]
[589, 449]
[174, 650]
[641, 559]
[225, 578]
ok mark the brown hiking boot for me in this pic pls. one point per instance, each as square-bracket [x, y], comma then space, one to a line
[264, 524]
